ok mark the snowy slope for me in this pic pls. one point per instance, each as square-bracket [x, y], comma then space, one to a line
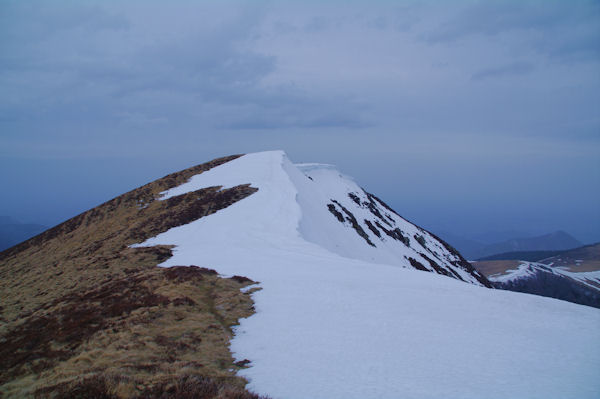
[340, 216]
[338, 318]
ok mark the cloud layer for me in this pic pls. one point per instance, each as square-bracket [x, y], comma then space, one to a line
[485, 98]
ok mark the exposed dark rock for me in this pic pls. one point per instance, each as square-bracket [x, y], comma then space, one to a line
[374, 209]
[396, 234]
[354, 198]
[336, 213]
[373, 228]
[417, 265]
[373, 198]
[440, 270]
[354, 223]
[421, 240]
[463, 263]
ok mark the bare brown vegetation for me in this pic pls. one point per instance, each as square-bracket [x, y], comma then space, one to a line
[583, 259]
[85, 315]
[184, 387]
[492, 267]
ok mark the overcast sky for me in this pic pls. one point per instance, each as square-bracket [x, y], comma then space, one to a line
[464, 116]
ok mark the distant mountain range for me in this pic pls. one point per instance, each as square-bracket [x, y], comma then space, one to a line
[532, 256]
[473, 249]
[13, 232]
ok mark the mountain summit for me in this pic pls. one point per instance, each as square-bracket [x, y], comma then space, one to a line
[336, 295]
[316, 204]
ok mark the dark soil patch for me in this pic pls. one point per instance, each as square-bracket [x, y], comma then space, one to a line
[187, 273]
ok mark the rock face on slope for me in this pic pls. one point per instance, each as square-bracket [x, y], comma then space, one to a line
[378, 232]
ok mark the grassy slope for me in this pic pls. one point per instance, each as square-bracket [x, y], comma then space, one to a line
[492, 267]
[83, 314]
[582, 259]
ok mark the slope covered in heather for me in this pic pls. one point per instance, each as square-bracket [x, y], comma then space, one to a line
[83, 315]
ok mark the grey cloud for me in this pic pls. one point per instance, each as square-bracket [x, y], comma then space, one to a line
[402, 17]
[517, 68]
[319, 24]
[285, 117]
[554, 28]
[492, 18]
[190, 74]
[38, 20]
[380, 89]
[378, 22]
[582, 43]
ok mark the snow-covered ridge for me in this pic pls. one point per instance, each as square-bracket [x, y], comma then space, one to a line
[329, 209]
[339, 318]
[527, 269]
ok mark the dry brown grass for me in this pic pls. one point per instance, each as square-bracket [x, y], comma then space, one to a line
[583, 259]
[492, 267]
[102, 386]
[582, 267]
[82, 311]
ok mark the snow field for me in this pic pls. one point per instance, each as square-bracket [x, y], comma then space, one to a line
[330, 326]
